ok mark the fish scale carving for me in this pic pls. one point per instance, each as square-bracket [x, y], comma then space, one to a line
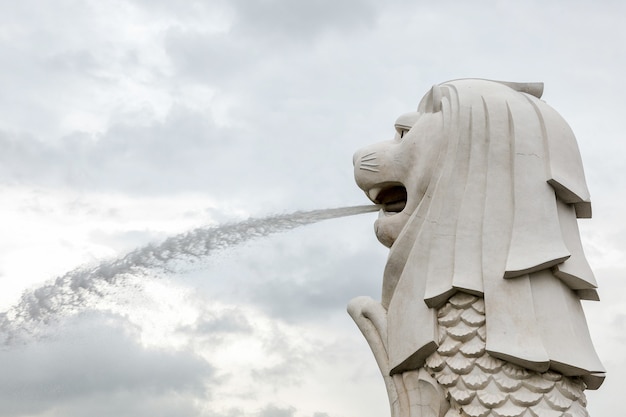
[480, 385]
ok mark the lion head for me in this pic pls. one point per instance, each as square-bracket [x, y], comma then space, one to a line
[480, 188]
[396, 173]
[479, 172]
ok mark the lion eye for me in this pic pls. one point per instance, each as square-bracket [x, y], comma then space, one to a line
[401, 130]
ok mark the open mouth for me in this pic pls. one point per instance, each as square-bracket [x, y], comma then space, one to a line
[391, 196]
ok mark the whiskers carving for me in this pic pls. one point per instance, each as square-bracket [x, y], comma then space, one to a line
[368, 162]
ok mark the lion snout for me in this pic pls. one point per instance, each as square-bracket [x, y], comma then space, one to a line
[367, 169]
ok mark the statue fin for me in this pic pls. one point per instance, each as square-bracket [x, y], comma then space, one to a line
[534, 89]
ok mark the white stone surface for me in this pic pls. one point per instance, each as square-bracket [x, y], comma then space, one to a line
[481, 189]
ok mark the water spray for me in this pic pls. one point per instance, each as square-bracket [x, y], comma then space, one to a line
[72, 290]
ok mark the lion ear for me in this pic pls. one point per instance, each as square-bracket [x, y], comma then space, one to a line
[433, 100]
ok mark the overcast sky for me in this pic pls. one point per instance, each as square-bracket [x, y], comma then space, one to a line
[125, 122]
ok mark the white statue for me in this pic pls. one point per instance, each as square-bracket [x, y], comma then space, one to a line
[480, 312]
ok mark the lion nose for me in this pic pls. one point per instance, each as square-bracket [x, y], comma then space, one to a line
[355, 157]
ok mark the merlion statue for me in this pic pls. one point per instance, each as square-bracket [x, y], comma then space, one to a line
[480, 313]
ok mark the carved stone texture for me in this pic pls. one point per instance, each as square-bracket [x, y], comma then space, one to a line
[480, 314]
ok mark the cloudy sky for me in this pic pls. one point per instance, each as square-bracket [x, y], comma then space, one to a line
[125, 122]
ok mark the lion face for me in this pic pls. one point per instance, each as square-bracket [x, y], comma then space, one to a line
[396, 173]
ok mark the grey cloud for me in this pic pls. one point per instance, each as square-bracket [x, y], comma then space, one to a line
[290, 20]
[231, 412]
[282, 40]
[74, 62]
[275, 411]
[285, 373]
[50, 60]
[291, 369]
[326, 292]
[269, 410]
[188, 152]
[97, 359]
[225, 322]
[212, 58]
[277, 20]
[320, 289]
[286, 130]
[129, 404]
[184, 151]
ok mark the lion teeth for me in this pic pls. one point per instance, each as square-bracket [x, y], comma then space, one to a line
[373, 193]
